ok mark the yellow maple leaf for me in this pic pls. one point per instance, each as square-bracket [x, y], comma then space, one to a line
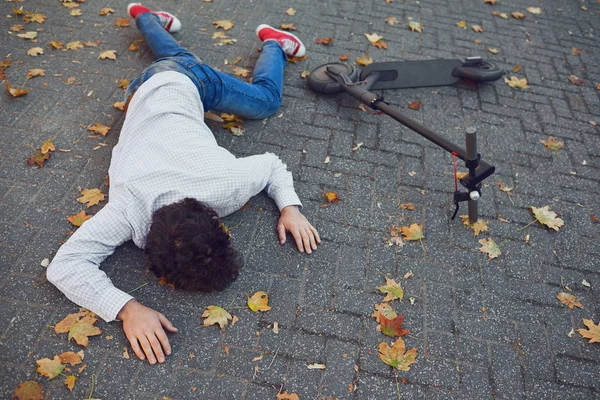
[332, 197]
[478, 227]
[70, 382]
[119, 105]
[47, 146]
[383, 309]
[414, 232]
[391, 289]
[216, 315]
[397, 356]
[106, 11]
[14, 92]
[83, 329]
[517, 83]
[517, 15]
[50, 368]
[593, 331]
[91, 197]
[569, 300]
[110, 54]
[290, 11]
[415, 26]
[75, 45]
[547, 217]
[34, 17]
[364, 60]
[373, 37]
[76, 12]
[489, 247]
[122, 22]
[99, 128]
[477, 28]
[239, 71]
[258, 302]
[78, 219]
[35, 51]
[36, 72]
[288, 27]
[462, 24]
[56, 44]
[225, 24]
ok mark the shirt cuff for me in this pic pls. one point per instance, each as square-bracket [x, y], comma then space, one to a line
[286, 198]
[111, 302]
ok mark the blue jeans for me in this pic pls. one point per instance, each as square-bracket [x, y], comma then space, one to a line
[218, 91]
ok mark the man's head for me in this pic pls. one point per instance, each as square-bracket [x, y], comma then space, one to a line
[188, 247]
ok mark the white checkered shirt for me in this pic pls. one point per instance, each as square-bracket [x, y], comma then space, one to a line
[165, 154]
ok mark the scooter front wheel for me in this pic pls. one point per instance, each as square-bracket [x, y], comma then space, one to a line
[321, 81]
[480, 71]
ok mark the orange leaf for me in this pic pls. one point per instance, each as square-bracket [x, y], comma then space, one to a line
[70, 357]
[517, 15]
[294, 60]
[224, 24]
[258, 302]
[414, 232]
[287, 396]
[332, 197]
[99, 128]
[239, 71]
[119, 105]
[50, 368]
[593, 331]
[106, 11]
[34, 17]
[407, 206]
[392, 327]
[397, 356]
[288, 27]
[29, 390]
[575, 80]
[569, 300]
[110, 54]
[364, 60]
[324, 41]
[70, 382]
[415, 104]
[91, 197]
[344, 57]
[14, 91]
[123, 22]
[38, 158]
[78, 219]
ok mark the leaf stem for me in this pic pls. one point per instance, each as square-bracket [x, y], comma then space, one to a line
[23, 85]
[523, 227]
[397, 385]
[139, 287]
[40, 283]
[424, 251]
[92, 390]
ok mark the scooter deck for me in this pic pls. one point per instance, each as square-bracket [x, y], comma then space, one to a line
[409, 74]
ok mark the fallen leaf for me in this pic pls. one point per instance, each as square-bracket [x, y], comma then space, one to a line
[534, 10]
[18, 11]
[219, 35]
[392, 327]
[415, 104]
[316, 366]
[99, 128]
[332, 197]
[491, 2]
[76, 45]
[594, 218]
[56, 44]
[493, 50]
[69, 4]
[70, 357]
[290, 11]
[119, 105]
[569, 300]
[125, 353]
[391, 20]
[575, 80]
[478, 227]
[70, 382]
[364, 60]
[28, 35]
[517, 15]
[38, 159]
[391, 289]
[106, 11]
[462, 24]
[593, 331]
[34, 17]
[287, 396]
[294, 60]
[110, 54]
[552, 143]
[408, 275]
[216, 315]
[288, 27]
[17, 28]
[123, 83]
[133, 47]
[500, 14]
[83, 329]
[397, 356]
[122, 22]
[80, 370]
[29, 390]
[91, 197]
[258, 302]
[385, 310]
[477, 28]
[223, 24]
[489, 247]
[575, 51]
[585, 283]
[50, 368]
[547, 217]
[517, 83]
[35, 51]
[239, 71]
[415, 26]
[414, 232]
[14, 91]
[305, 74]
[78, 219]
[406, 206]
[76, 12]
[373, 37]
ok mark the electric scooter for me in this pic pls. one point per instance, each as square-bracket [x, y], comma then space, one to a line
[338, 77]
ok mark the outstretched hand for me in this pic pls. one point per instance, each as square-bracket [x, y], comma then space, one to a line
[143, 327]
[305, 235]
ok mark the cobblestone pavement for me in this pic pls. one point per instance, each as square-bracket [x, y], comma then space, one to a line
[482, 328]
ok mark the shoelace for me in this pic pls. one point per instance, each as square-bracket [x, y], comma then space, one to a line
[288, 45]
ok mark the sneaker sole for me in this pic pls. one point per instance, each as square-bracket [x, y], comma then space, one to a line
[301, 51]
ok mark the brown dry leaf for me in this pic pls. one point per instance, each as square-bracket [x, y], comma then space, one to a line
[56, 44]
[534, 10]
[91, 43]
[489, 247]
[407, 206]
[29, 390]
[119, 105]
[69, 4]
[34, 17]
[18, 11]
[258, 302]
[415, 104]
[110, 54]
[478, 227]
[76, 12]
[344, 57]
[70, 357]
[125, 353]
[133, 47]
[38, 159]
[83, 329]
[597, 86]
[491, 2]
[17, 27]
[552, 143]
[70, 382]
[47, 146]
[517, 83]
[316, 366]
[123, 83]
[35, 51]
[575, 80]
[594, 218]
[305, 74]
[517, 15]
[28, 35]
[477, 28]
[78, 219]
[391, 289]
[547, 217]
[74, 45]
[290, 11]
[216, 315]
[288, 27]
[224, 24]
[324, 41]
[67, 323]
[364, 60]
[493, 50]
[50, 368]
[239, 71]
[294, 60]
[91, 197]
[122, 22]
[415, 26]
[99, 128]
[500, 14]
[575, 51]
[106, 11]
[397, 356]
[414, 232]
[380, 44]
[462, 24]
[14, 91]
[383, 309]
[219, 35]
[391, 20]
[593, 331]
[392, 326]
[287, 396]
[332, 197]
[569, 300]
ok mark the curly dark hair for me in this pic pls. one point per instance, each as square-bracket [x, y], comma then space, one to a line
[188, 246]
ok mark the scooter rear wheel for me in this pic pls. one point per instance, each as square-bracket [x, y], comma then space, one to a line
[320, 81]
[481, 71]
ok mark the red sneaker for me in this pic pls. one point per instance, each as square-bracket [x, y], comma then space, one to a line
[290, 44]
[170, 22]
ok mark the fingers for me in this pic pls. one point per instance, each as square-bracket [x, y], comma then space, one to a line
[306, 240]
[166, 323]
[317, 237]
[164, 342]
[298, 238]
[136, 347]
[281, 231]
[156, 348]
[147, 347]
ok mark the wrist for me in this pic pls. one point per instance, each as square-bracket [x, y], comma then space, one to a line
[127, 309]
[290, 209]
